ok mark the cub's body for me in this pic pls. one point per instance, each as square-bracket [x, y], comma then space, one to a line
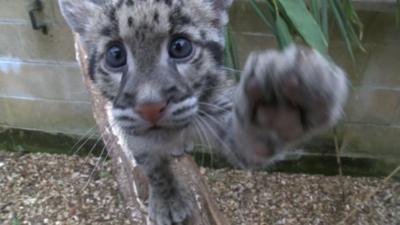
[159, 63]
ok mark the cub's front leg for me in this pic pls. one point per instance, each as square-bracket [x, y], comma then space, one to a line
[169, 202]
[281, 99]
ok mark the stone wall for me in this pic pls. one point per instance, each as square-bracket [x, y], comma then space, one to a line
[41, 87]
[371, 127]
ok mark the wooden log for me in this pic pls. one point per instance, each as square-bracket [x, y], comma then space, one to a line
[132, 183]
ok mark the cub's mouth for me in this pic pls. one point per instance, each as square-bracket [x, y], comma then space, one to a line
[155, 128]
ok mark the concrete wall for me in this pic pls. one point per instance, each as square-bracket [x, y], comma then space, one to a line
[41, 87]
[40, 84]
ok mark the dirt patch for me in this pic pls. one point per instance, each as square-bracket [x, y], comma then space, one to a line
[57, 189]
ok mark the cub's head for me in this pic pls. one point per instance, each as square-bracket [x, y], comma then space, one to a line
[155, 60]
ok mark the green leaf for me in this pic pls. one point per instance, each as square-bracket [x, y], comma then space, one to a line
[262, 16]
[19, 148]
[15, 221]
[398, 13]
[231, 58]
[282, 33]
[353, 19]
[341, 23]
[305, 24]
[269, 6]
[315, 10]
[269, 12]
[325, 19]
[355, 38]
[104, 174]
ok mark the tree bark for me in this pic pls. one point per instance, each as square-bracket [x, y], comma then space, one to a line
[132, 183]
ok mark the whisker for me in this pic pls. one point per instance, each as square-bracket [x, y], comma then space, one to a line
[201, 127]
[99, 139]
[83, 144]
[212, 118]
[83, 137]
[104, 160]
[215, 106]
[94, 169]
[230, 69]
[197, 131]
[210, 146]
[200, 137]
[218, 123]
[92, 148]
[220, 86]
[212, 130]
[203, 134]
[224, 94]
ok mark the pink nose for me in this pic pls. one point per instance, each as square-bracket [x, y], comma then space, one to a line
[151, 112]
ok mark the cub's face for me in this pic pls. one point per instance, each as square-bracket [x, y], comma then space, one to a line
[155, 60]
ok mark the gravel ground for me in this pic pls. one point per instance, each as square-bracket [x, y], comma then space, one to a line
[56, 189]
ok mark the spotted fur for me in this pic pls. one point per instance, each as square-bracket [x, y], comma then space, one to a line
[282, 97]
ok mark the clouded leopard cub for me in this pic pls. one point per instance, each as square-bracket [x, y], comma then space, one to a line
[159, 63]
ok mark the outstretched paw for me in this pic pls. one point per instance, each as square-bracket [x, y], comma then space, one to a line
[283, 96]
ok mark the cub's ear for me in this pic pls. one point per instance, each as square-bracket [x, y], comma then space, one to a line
[222, 7]
[222, 4]
[78, 13]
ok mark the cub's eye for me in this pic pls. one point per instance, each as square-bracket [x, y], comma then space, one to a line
[116, 56]
[180, 47]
